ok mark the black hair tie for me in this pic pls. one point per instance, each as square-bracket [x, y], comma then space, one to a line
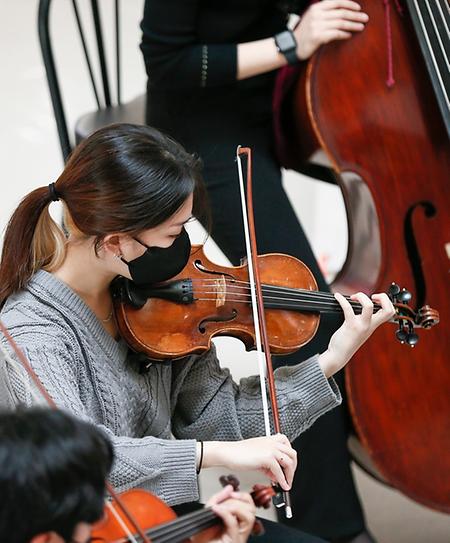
[54, 196]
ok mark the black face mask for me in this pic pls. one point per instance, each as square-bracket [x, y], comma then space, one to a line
[158, 264]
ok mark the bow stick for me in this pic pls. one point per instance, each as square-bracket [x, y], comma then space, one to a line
[32, 374]
[261, 337]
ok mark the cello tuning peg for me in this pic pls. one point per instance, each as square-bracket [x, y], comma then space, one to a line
[411, 339]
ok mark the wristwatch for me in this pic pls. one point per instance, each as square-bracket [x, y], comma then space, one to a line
[287, 45]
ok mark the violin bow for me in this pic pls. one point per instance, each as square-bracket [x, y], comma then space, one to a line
[49, 400]
[261, 336]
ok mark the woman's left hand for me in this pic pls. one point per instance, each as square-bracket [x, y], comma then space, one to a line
[355, 330]
[237, 511]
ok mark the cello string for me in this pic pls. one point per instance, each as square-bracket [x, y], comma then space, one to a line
[432, 55]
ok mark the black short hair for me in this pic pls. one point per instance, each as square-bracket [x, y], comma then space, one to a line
[53, 469]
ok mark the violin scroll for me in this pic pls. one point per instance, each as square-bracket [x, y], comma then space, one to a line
[407, 318]
[262, 495]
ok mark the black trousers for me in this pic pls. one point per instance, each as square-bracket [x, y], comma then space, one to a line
[324, 498]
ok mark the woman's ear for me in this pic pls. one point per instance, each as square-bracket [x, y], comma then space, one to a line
[112, 243]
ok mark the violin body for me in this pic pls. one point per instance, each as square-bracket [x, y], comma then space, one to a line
[163, 329]
[390, 151]
[159, 523]
[150, 513]
[147, 509]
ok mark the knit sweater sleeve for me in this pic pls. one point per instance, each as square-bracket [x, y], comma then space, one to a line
[209, 405]
[173, 57]
[163, 466]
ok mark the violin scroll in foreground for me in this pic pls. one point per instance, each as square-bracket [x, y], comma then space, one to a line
[179, 317]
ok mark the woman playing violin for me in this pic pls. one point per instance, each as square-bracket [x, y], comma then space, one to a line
[127, 192]
[211, 67]
[53, 469]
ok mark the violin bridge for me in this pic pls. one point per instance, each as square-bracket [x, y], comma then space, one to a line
[221, 291]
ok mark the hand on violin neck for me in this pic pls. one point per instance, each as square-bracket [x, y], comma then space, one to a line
[237, 511]
[327, 21]
[355, 330]
[273, 456]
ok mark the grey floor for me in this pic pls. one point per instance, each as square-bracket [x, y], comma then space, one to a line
[30, 157]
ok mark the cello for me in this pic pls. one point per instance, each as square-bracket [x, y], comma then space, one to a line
[369, 106]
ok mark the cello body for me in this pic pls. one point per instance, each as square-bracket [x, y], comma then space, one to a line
[389, 149]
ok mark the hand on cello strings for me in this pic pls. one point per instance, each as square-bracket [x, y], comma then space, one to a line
[327, 21]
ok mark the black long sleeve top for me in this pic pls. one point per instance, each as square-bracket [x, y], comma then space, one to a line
[190, 54]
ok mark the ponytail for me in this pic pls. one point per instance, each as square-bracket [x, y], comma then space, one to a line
[122, 178]
[32, 241]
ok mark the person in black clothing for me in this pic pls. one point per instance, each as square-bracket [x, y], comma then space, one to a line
[211, 68]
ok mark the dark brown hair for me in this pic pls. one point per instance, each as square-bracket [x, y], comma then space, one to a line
[123, 178]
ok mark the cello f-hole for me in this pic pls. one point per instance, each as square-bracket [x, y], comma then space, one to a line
[413, 250]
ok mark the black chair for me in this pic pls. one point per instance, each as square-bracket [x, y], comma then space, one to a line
[108, 110]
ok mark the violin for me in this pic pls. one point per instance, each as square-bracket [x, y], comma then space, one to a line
[180, 317]
[160, 522]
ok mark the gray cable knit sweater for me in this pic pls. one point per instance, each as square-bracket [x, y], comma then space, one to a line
[89, 373]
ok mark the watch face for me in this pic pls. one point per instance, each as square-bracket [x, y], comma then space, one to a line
[286, 41]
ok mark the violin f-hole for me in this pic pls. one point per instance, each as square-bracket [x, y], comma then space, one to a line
[216, 318]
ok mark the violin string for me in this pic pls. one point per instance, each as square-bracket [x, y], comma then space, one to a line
[275, 288]
[293, 298]
[246, 284]
[178, 529]
[294, 294]
[285, 306]
[291, 303]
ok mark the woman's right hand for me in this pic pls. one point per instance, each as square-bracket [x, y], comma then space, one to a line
[273, 456]
[327, 21]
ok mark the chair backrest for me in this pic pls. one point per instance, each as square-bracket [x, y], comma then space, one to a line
[109, 109]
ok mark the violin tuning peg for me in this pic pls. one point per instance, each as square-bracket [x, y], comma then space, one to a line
[278, 498]
[401, 335]
[404, 296]
[262, 495]
[393, 290]
[232, 480]
[412, 338]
